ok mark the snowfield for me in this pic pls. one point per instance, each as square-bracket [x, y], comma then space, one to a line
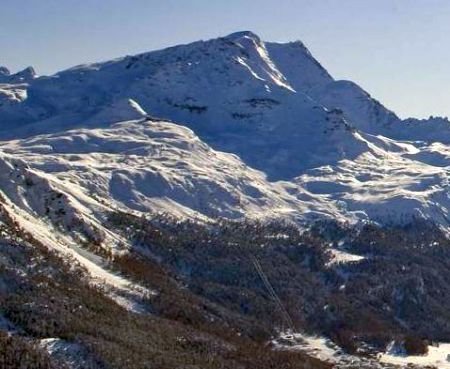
[145, 165]
[438, 357]
[271, 133]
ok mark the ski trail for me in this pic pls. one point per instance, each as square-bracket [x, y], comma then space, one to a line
[124, 292]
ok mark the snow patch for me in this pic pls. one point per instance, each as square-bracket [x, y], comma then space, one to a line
[438, 356]
[343, 257]
[73, 355]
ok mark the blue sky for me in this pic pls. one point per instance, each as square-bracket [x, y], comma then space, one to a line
[398, 50]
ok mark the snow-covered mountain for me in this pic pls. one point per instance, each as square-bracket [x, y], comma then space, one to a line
[147, 165]
[313, 142]
[121, 181]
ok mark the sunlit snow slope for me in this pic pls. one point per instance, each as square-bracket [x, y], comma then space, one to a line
[261, 129]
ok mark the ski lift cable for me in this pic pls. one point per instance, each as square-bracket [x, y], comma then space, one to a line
[266, 282]
[272, 292]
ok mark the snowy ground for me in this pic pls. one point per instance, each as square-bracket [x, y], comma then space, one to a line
[343, 257]
[73, 355]
[325, 350]
[438, 357]
[142, 166]
[145, 165]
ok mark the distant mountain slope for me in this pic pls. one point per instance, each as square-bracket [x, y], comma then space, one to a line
[146, 165]
[149, 165]
[231, 91]
[271, 104]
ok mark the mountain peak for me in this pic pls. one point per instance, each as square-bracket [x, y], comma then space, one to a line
[24, 75]
[28, 72]
[4, 71]
[243, 34]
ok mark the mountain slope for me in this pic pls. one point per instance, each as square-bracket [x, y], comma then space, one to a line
[273, 105]
[147, 164]
[201, 203]
[228, 90]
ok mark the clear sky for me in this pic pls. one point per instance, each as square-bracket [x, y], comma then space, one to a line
[398, 50]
